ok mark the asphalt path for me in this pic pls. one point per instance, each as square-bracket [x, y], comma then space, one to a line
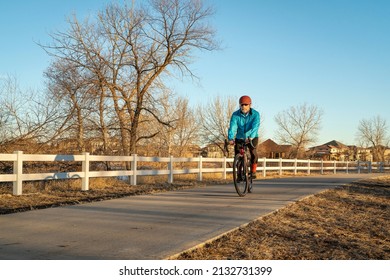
[149, 227]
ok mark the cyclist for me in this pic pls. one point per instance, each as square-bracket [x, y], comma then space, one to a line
[244, 124]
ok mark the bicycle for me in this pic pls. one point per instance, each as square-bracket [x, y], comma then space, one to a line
[241, 168]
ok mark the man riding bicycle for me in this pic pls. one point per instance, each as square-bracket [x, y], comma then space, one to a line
[244, 124]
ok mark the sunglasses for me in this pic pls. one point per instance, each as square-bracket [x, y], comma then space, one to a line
[244, 105]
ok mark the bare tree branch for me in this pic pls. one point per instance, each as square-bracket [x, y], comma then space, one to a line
[128, 50]
[374, 132]
[299, 127]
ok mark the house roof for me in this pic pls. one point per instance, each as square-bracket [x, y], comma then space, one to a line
[336, 144]
[271, 146]
[330, 144]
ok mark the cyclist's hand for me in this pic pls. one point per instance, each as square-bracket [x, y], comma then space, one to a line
[231, 142]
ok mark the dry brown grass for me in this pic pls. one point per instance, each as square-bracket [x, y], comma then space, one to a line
[347, 223]
[350, 222]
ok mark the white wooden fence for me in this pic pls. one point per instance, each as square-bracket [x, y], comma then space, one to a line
[275, 165]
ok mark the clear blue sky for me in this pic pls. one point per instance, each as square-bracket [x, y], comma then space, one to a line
[334, 54]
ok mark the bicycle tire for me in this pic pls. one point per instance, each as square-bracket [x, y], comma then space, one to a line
[240, 174]
[249, 175]
[250, 186]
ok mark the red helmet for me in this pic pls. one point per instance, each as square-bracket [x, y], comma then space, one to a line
[245, 99]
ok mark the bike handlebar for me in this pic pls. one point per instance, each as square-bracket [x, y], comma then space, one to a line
[246, 141]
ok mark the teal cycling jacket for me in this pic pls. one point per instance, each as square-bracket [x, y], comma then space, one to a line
[243, 126]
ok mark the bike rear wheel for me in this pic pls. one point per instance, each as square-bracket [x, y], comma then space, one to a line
[240, 175]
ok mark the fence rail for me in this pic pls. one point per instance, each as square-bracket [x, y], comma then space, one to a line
[265, 165]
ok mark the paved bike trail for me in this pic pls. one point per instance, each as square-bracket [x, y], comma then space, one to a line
[149, 227]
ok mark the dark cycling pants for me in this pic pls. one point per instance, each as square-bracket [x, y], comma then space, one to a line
[252, 150]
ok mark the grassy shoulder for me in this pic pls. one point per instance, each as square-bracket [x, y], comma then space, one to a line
[347, 223]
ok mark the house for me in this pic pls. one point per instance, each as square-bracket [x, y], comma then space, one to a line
[270, 149]
[378, 153]
[360, 153]
[217, 150]
[335, 150]
[387, 154]
[332, 150]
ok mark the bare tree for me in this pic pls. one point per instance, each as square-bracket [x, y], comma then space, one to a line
[67, 87]
[185, 127]
[128, 51]
[181, 135]
[299, 127]
[26, 118]
[374, 132]
[214, 118]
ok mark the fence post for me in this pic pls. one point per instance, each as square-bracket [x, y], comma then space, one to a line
[295, 166]
[347, 166]
[134, 169]
[224, 168]
[18, 171]
[264, 167]
[334, 167]
[358, 166]
[322, 166]
[370, 167]
[280, 167]
[170, 167]
[200, 169]
[308, 166]
[85, 169]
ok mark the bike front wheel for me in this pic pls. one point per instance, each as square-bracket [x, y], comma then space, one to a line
[240, 175]
[249, 175]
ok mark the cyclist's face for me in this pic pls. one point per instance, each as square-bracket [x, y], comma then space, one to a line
[245, 108]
